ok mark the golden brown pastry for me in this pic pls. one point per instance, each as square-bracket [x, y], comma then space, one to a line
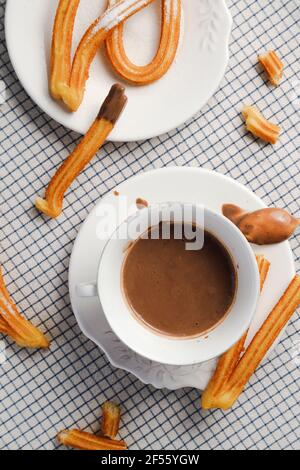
[85, 441]
[67, 79]
[169, 40]
[104, 123]
[273, 66]
[259, 126]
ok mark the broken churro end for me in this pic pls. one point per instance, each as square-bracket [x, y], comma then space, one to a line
[111, 415]
[50, 210]
[273, 66]
[14, 325]
[259, 126]
[85, 441]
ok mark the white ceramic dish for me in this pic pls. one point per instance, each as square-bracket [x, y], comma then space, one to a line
[198, 186]
[152, 110]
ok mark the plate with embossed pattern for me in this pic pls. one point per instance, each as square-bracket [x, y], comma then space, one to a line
[153, 109]
[190, 185]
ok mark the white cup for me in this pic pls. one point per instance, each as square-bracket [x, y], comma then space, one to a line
[147, 342]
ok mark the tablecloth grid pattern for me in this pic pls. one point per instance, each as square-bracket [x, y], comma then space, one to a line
[43, 392]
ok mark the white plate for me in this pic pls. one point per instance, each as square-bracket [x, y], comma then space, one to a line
[153, 109]
[193, 185]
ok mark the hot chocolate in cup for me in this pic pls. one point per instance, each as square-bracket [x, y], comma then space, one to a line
[177, 300]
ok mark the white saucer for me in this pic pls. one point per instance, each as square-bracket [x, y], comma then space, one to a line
[152, 110]
[169, 184]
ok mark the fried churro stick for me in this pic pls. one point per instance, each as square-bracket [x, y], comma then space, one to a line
[61, 47]
[86, 441]
[111, 414]
[3, 326]
[229, 360]
[14, 325]
[6, 330]
[68, 81]
[169, 40]
[83, 153]
[273, 67]
[259, 126]
[260, 344]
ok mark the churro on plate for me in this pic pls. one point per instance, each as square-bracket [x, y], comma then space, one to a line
[259, 126]
[86, 441]
[229, 360]
[14, 325]
[111, 415]
[273, 66]
[109, 113]
[68, 79]
[169, 40]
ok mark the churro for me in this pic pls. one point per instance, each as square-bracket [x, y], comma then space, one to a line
[111, 414]
[260, 344]
[86, 441]
[259, 126]
[13, 324]
[67, 80]
[169, 40]
[61, 47]
[273, 67]
[83, 153]
[229, 360]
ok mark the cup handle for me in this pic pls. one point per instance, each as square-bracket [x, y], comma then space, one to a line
[86, 290]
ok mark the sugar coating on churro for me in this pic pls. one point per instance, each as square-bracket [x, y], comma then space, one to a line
[118, 13]
[171, 7]
[68, 79]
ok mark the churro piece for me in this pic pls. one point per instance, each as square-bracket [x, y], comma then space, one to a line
[273, 67]
[260, 344]
[13, 324]
[259, 126]
[229, 360]
[111, 415]
[86, 441]
[169, 40]
[83, 153]
[60, 67]
[67, 82]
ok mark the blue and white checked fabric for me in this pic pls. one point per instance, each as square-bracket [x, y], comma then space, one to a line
[43, 392]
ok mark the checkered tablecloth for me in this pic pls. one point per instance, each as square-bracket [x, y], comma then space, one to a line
[43, 392]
